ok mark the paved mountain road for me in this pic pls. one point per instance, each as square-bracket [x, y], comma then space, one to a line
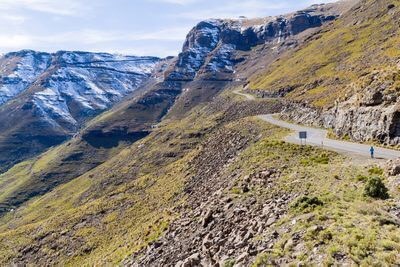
[247, 96]
[318, 137]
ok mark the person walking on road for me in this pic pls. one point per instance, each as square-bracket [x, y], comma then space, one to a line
[372, 150]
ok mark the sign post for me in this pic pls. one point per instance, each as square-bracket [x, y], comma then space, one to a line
[303, 136]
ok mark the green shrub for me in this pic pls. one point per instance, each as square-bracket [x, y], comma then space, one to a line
[375, 171]
[262, 260]
[236, 190]
[332, 250]
[326, 236]
[321, 159]
[229, 263]
[361, 178]
[376, 188]
[307, 202]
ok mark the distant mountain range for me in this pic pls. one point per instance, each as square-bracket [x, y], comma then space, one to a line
[45, 98]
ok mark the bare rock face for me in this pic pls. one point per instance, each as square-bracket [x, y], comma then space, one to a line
[371, 113]
[200, 41]
[210, 46]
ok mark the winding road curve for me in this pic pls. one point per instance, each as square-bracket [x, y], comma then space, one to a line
[318, 137]
[247, 96]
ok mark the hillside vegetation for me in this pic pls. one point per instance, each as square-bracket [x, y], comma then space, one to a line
[185, 174]
[113, 211]
[326, 69]
[110, 211]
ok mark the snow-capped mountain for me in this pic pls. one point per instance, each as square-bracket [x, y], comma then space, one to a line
[45, 98]
[66, 87]
[19, 70]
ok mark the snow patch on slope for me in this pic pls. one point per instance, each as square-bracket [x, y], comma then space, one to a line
[221, 61]
[75, 84]
[89, 83]
[52, 106]
[201, 40]
[18, 72]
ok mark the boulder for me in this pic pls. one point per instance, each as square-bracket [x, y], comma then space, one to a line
[392, 167]
[192, 261]
[208, 217]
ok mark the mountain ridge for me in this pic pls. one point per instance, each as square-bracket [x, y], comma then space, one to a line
[59, 92]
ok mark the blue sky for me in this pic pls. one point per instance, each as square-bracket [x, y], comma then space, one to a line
[137, 27]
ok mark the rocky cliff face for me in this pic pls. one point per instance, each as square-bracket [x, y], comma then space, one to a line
[371, 112]
[209, 49]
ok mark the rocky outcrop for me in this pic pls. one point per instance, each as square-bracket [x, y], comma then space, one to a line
[227, 236]
[210, 46]
[370, 112]
[217, 226]
[392, 167]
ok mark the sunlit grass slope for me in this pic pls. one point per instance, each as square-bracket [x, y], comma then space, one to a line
[320, 71]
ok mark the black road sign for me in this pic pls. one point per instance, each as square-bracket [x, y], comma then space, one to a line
[303, 135]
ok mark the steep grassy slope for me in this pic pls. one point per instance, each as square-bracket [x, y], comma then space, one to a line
[102, 138]
[363, 41]
[158, 184]
[41, 174]
[116, 208]
[279, 204]
[107, 217]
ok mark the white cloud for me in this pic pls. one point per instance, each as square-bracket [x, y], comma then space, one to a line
[248, 8]
[236, 8]
[57, 7]
[140, 50]
[15, 41]
[176, 2]
[312, 2]
[169, 34]
[13, 19]
[95, 40]
[90, 36]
